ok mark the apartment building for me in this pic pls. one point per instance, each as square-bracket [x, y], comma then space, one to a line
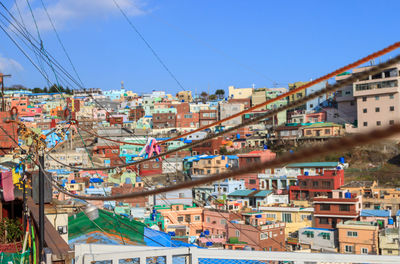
[268, 237]
[356, 237]
[207, 117]
[346, 104]
[179, 217]
[340, 206]
[214, 226]
[294, 217]
[318, 239]
[209, 165]
[227, 109]
[239, 93]
[389, 242]
[313, 185]
[378, 98]
[164, 120]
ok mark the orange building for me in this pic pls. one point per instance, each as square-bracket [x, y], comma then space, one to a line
[356, 237]
[179, 216]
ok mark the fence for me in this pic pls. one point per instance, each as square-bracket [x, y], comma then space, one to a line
[108, 254]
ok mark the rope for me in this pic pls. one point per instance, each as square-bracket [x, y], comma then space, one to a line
[301, 101]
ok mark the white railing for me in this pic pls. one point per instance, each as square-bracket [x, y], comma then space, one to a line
[91, 253]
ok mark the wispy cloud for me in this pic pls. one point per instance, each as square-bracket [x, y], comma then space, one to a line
[8, 65]
[65, 12]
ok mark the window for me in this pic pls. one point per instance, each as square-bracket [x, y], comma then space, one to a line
[391, 108]
[391, 96]
[237, 233]
[252, 181]
[344, 207]
[315, 184]
[364, 250]
[378, 123]
[287, 217]
[181, 195]
[197, 218]
[364, 99]
[377, 109]
[348, 249]
[390, 252]
[310, 234]
[351, 102]
[324, 221]
[327, 131]
[376, 97]
[273, 216]
[208, 220]
[308, 132]
[352, 234]
[223, 222]
[180, 218]
[391, 122]
[263, 236]
[365, 110]
[326, 184]
[365, 124]
[324, 207]
[326, 236]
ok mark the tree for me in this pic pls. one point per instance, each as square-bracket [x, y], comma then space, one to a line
[37, 90]
[204, 97]
[220, 93]
[45, 90]
[212, 97]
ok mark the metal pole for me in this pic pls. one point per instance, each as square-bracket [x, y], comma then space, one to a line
[3, 104]
[41, 207]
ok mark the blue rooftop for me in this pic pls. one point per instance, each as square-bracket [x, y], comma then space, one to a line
[376, 213]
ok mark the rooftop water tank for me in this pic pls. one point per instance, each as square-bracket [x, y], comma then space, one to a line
[347, 195]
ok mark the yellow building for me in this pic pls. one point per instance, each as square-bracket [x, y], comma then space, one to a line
[388, 242]
[240, 93]
[298, 95]
[323, 130]
[185, 96]
[294, 217]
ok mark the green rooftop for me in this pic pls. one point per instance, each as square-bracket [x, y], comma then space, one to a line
[313, 164]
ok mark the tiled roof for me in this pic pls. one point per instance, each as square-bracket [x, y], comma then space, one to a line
[262, 193]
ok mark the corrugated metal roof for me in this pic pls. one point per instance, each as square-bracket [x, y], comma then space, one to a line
[262, 193]
[241, 193]
[376, 213]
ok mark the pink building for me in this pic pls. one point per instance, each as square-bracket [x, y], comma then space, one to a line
[214, 223]
[255, 156]
[378, 98]
[315, 117]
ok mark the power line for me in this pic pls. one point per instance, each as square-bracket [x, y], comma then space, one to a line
[149, 46]
[293, 104]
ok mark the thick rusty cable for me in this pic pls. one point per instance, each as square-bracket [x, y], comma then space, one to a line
[328, 89]
[282, 96]
[305, 86]
[305, 154]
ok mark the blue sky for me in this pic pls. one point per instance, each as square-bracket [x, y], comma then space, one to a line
[207, 44]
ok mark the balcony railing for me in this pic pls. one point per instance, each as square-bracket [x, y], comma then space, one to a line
[85, 254]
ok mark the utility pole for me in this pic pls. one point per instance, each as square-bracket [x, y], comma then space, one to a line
[41, 207]
[3, 104]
